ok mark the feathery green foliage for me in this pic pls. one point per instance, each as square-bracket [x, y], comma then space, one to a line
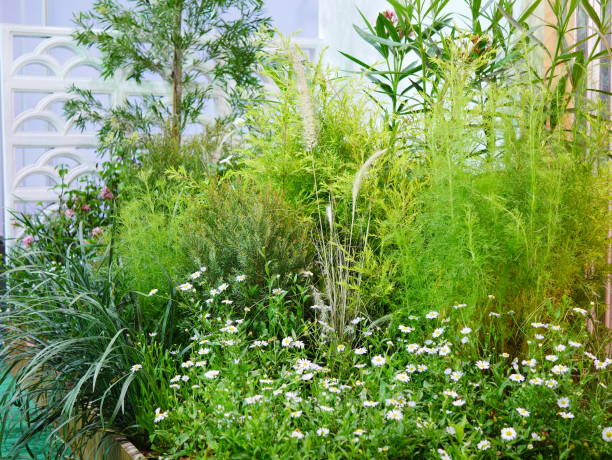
[506, 206]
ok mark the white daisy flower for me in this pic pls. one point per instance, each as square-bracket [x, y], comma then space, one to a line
[529, 362]
[563, 403]
[211, 374]
[240, 278]
[606, 434]
[361, 351]
[566, 415]
[370, 403]
[517, 377]
[508, 434]
[551, 358]
[159, 415]
[551, 383]
[523, 412]
[432, 315]
[322, 431]
[286, 341]
[444, 350]
[394, 414]
[378, 360]
[559, 369]
[483, 445]
[402, 377]
[437, 332]
[466, 330]
[297, 434]
[600, 364]
[482, 365]
[185, 287]
[136, 367]
[411, 348]
[405, 329]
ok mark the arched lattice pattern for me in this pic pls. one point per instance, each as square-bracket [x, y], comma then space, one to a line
[38, 64]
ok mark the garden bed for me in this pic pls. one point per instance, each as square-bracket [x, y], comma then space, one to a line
[411, 268]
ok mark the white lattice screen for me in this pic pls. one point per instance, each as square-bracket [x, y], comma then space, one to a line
[38, 64]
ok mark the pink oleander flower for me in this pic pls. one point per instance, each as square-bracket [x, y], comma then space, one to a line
[27, 241]
[106, 193]
[85, 207]
[69, 213]
[97, 231]
[390, 15]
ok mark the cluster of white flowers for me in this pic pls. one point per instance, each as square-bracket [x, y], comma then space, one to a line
[293, 386]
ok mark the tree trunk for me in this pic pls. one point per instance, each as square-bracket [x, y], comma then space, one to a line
[177, 79]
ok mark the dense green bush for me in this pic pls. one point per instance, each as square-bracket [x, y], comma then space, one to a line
[235, 227]
[506, 206]
[180, 224]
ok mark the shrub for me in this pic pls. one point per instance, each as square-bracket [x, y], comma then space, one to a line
[505, 211]
[180, 224]
[241, 228]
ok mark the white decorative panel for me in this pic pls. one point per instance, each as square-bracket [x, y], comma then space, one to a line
[37, 66]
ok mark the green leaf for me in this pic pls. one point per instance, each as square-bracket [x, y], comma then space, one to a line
[527, 13]
[592, 13]
[375, 40]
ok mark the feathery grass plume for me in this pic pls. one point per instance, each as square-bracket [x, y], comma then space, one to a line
[363, 171]
[305, 101]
